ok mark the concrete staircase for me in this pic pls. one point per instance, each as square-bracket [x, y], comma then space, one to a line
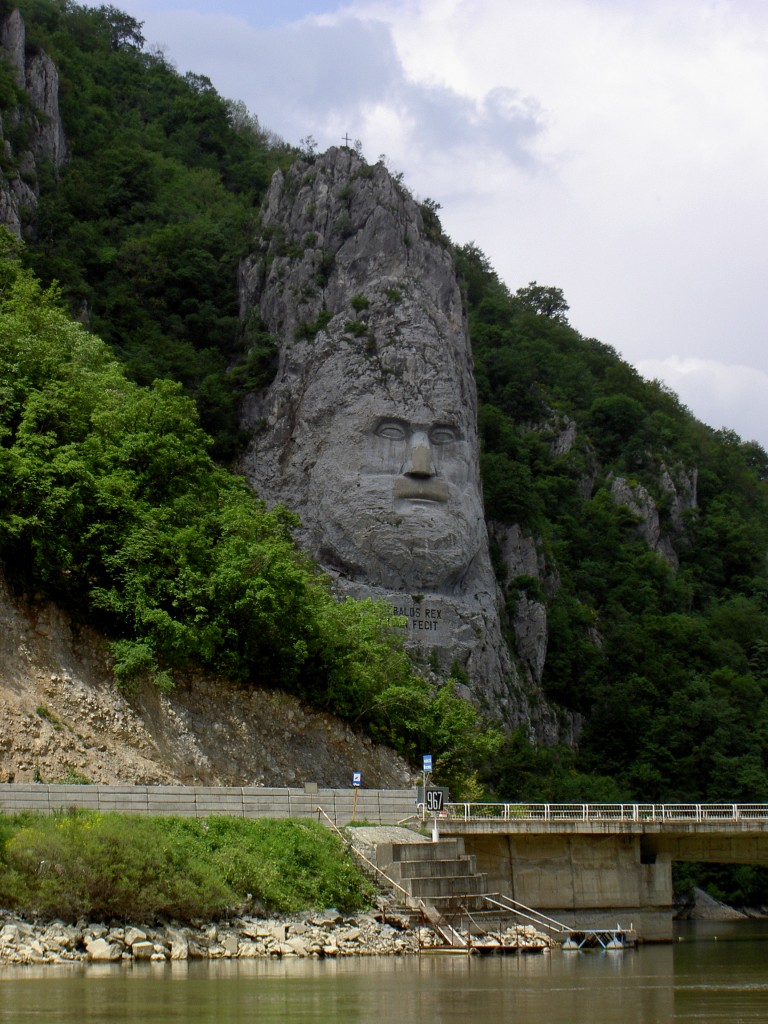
[440, 874]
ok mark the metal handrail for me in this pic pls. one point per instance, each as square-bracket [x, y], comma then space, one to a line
[629, 812]
[527, 913]
[353, 849]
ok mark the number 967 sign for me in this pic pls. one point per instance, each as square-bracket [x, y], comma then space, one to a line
[434, 800]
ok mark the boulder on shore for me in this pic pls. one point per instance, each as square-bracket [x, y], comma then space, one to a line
[703, 907]
[320, 934]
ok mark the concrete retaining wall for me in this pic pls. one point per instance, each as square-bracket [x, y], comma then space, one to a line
[381, 806]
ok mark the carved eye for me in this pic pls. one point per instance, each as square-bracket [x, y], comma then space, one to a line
[391, 430]
[442, 435]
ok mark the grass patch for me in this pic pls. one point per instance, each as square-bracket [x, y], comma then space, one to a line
[105, 866]
[48, 716]
[306, 331]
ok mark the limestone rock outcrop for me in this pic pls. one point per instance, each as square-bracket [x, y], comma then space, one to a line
[37, 76]
[523, 564]
[368, 430]
[679, 494]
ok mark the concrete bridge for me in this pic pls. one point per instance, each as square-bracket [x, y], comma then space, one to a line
[592, 865]
[603, 864]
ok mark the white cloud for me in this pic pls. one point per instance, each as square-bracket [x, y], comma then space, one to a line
[615, 149]
[721, 394]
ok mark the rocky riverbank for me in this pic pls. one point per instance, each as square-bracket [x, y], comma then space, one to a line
[312, 934]
[700, 906]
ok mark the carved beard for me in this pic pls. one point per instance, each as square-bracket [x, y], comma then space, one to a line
[404, 543]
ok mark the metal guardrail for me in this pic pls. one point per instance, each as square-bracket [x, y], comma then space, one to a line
[555, 813]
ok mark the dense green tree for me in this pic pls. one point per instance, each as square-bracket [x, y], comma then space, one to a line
[543, 300]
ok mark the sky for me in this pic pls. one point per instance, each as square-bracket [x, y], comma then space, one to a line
[616, 149]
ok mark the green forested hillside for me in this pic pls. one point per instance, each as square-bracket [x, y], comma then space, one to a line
[666, 667]
[154, 209]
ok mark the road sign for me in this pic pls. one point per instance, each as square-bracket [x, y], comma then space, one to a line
[427, 759]
[357, 778]
[434, 800]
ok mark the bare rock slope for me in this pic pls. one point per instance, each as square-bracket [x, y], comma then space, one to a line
[61, 717]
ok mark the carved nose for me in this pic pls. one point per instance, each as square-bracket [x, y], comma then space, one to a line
[419, 462]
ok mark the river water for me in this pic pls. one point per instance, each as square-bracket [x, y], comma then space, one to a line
[716, 973]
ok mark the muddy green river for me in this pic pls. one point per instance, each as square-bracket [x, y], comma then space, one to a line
[713, 973]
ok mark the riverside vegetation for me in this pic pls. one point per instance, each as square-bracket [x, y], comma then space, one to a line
[86, 886]
[114, 867]
[106, 887]
[116, 499]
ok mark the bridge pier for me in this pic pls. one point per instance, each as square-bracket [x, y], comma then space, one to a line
[588, 881]
[599, 865]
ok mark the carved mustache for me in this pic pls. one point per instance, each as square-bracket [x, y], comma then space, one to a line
[426, 490]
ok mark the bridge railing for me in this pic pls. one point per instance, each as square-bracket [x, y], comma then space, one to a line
[603, 812]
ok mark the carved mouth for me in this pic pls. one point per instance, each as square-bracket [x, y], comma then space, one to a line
[421, 490]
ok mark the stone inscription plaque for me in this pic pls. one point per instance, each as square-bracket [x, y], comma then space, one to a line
[422, 618]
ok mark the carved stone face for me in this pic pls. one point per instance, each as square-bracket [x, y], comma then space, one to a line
[396, 499]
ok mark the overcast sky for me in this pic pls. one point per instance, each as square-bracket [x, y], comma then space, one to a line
[617, 149]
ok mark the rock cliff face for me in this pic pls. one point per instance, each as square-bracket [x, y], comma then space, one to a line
[43, 133]
[369, 428]
[679, 493]
[528, 617]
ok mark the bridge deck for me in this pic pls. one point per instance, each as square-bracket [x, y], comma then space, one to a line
[601, 819]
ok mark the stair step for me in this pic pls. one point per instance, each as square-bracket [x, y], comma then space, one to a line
[388, 853]
[449, 885]
[426, 868]
[452, 905]
[437, 873]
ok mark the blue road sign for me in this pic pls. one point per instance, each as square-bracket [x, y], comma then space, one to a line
[427, 762]
[357, 778]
